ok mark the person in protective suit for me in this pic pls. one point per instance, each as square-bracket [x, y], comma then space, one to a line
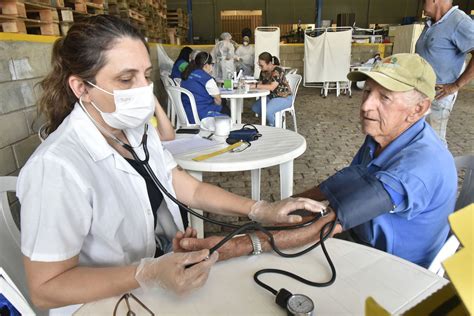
[224, 54]
[245, 56]
[401, 186]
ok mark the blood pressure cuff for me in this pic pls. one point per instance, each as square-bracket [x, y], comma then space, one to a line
[247, 133]
[356, 196]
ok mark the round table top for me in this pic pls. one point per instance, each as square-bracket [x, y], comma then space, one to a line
[236, 94]
[276, 146]
[362, 271]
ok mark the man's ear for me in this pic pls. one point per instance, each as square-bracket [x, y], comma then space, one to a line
[79, 88]
[419, 110]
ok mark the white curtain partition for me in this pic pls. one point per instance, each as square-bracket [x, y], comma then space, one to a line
[164, 61]
[327, 56]
[267, 39]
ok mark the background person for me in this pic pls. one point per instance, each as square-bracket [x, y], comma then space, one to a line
[181, 62]
[245, 57]
[93, 225]
[401, 186]
[197, 79]
[224, 54]
[446, 40]
[272, 78]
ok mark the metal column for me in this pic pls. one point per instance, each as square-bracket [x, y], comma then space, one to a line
[319, 8]
[190, 21]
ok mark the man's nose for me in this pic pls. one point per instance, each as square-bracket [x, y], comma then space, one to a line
[368, 103]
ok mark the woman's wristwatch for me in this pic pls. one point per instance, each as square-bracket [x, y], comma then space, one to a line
[256, 244]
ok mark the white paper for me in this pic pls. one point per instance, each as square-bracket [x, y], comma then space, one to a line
[188, 144]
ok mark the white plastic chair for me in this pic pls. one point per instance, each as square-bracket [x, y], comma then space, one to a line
[170, 112]
[466, 194]
[280, 117]
[175, 94]
[11, 259]
[178, 81]
[466, 197]
[42, 133]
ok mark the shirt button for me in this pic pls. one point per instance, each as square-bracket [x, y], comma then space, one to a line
[148, 211]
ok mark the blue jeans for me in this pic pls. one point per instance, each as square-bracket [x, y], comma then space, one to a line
[439, 115]
[273, 105]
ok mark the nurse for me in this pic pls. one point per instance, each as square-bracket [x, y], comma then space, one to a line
[197, 79]
[93, 225]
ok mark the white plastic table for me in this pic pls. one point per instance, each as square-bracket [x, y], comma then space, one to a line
[277, 146]
[394, 283]
[236, 102]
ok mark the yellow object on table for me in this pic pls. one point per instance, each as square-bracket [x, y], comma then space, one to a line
[218, 152]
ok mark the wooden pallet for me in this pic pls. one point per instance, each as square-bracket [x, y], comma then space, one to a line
[12, 9]
[29, 26]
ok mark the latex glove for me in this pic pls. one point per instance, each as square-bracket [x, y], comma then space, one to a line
[169, 272]
[277, 212]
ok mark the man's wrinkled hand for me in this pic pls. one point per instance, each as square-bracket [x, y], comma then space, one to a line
[189, 233]
[443, 90]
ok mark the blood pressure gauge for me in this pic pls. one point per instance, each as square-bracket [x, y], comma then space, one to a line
[295, 304]
[299, 305]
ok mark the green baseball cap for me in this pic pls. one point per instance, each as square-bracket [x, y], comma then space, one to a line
[401, 72]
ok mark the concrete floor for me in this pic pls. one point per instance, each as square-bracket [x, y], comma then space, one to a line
[331, 129]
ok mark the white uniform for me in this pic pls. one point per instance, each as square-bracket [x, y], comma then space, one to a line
[224, 54]
[246, 55]
[79, 196]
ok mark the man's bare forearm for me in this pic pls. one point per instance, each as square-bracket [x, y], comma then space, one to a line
[313, 193]
[467, 75]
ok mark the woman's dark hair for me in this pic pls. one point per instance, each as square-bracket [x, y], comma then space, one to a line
[81, 53]
[184, 53]
[268, 58]
[199, 61]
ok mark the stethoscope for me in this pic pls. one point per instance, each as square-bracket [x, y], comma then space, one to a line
[295, 304]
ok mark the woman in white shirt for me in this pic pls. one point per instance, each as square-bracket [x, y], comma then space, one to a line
[93, 225]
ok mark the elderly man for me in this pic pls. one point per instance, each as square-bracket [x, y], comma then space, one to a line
[446, 40]
[400, 187]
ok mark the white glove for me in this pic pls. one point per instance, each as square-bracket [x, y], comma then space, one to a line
[277, 212]
[169, 272]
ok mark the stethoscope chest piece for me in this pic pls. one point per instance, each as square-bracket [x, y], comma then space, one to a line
[295, 304]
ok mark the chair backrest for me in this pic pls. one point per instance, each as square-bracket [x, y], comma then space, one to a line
[293, 71]
[294, 81]
[167, 81]
[175, 95]
[449, 248]
[177, 81]
[42, 133]
[465, 197]
[466, 194]
[11, 259]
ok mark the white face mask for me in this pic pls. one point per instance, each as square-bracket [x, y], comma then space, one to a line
[133, 107]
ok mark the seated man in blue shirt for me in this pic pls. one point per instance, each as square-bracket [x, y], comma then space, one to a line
[400, 187]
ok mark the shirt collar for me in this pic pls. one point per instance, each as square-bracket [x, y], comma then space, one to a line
[397, 144]
[93, 140]
[429, 22]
